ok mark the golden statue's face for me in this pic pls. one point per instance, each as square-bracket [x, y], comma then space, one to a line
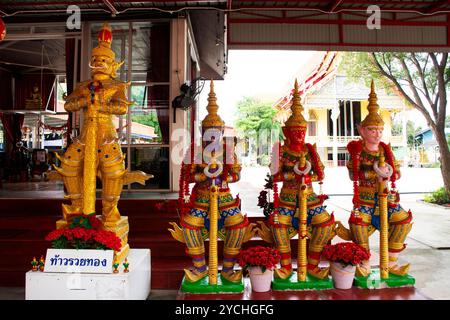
[102, 65]
[371, 134]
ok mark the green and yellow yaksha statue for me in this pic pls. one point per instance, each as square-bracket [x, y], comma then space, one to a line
[211, 207]
[371, 166]
[97, 151]
[298, 208]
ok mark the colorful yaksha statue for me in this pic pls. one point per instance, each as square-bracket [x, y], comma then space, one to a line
[97, 151]
[210, 206]
[296, 164]
[371, 165]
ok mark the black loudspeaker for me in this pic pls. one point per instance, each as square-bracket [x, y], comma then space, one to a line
[188, 95]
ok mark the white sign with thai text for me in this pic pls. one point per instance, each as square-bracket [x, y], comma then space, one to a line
[79, 261]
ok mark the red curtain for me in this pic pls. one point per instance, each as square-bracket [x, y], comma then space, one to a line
[24, 88]
[16, 160]
[159, 72]
[12, 123]
[5, 90]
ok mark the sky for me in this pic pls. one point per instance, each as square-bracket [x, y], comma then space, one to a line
[265, 74]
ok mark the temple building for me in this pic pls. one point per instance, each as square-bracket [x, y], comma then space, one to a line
[334, 105]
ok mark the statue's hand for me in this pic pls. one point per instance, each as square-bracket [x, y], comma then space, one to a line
[307, 177]
[75, 102]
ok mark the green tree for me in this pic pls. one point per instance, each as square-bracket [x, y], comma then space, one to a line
[422, 79]
[150, 120]
[411, 131]
[256, 120]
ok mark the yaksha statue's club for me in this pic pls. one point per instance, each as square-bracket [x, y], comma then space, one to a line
[97, 151]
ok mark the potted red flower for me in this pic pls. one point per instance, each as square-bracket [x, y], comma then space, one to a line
[344, 257]
[84, 233]
[259, 261]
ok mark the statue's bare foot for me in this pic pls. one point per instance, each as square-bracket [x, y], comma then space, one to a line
[232, 276]
[193, 275]
[282, 273]
[363, 270]
[319, 273]
[399, 270]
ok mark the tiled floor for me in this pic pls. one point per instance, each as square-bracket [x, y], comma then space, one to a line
[13, 293]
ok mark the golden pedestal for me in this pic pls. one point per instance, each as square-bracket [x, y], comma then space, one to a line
[121, 229]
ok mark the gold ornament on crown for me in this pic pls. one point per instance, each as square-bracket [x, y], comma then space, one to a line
[373, 119]
[296, 119]
[212, 119]
[104, 42]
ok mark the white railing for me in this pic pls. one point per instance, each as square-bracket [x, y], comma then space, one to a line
[342, 139]
[396, 139]
[327, 140]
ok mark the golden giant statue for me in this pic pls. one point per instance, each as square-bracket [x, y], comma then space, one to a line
[97, 151]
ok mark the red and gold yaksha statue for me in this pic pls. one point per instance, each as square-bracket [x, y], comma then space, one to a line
[298, 207]
[211, 170]
[97, 151]
[371, 165]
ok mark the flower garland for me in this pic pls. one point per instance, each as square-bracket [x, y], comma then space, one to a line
[390, 159]
[63, 128]
[315, 161]
[355, 149]
[264, 197]
[276, 198]
[48, 127]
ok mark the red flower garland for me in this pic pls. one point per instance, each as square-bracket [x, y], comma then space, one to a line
[355, 149]
[390, 159]
[315, 161]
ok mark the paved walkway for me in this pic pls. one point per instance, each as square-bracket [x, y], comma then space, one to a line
[428, 243]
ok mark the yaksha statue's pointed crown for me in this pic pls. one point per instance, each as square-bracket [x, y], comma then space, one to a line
[296, 119]
[373, 119]
[212, 119]
[105, 38]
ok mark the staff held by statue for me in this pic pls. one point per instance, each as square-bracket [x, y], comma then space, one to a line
[301, 213]
[213, 217]
[383, 176]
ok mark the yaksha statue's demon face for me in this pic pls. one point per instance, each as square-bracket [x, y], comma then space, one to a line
[295, 135]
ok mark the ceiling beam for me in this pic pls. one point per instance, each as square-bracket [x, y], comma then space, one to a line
[333, 5]
[436, 6]
[111, 7]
